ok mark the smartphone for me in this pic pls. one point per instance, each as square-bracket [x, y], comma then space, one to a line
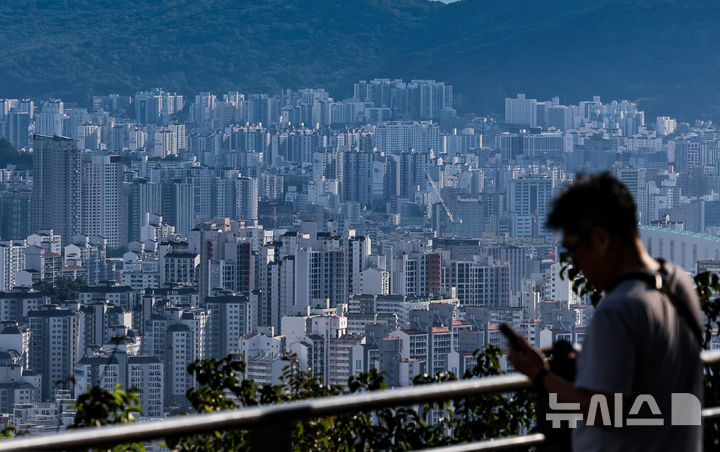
[511, 336]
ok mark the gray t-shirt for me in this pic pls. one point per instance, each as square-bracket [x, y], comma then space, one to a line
[637, 344]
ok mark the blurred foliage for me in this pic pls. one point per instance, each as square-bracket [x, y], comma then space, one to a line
[9, 431]
[580, 285]
[98, 407]
[401, 428]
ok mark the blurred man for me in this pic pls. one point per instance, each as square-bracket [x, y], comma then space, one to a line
[645, 335]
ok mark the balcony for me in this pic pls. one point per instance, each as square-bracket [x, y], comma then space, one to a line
[270, 424]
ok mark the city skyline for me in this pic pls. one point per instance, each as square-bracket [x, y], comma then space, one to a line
[382, 231]
[231, 225]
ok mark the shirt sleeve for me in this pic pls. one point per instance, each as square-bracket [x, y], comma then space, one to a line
[607, 361]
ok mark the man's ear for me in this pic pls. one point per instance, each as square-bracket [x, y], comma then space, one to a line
[601, 238]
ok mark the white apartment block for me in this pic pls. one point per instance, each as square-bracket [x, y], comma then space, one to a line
[265, 368]
[147, 374]
[393, 137]
[521, 111]
[479, 282]
[101, 197]
[12, 260]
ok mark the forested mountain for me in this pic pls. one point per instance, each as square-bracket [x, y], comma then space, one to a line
[661, 52]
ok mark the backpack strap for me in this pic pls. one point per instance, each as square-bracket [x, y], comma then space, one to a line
[658, 282]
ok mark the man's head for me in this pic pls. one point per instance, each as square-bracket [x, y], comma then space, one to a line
[597, 217]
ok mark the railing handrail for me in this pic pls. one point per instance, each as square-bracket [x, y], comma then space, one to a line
[252, 416]
[509, 442]
[710, 356]
[300, 409]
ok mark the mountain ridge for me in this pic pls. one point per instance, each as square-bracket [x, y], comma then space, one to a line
[659, 52]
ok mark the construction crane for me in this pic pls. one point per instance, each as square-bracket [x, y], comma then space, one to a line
[442, 201]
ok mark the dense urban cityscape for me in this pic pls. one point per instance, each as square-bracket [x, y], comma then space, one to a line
[381, 231]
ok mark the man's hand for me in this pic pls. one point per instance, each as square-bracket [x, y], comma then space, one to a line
[530, 361]
[527, 359]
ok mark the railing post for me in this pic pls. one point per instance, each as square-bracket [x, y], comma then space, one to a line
[274, 436]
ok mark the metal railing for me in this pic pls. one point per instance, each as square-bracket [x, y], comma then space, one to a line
[271, 417]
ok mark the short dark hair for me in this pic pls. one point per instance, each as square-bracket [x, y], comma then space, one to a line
[595, 200]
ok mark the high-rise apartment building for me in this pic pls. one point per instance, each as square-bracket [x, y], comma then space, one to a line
[156, 106]
[12, 260]
[408, 174]
[143, 198]
[479, 281]
[237, 198]
[355, 176]
[107, 370]
[147, 373]
[177, 337]
[665, 125]
[229, 319]
[57, 186]
[16, 303]
[246, 198]
[102, 213]
[279, 294]
[529, 200]
[521, 111]
[18, 123]
[634, 180]
[435, 99]
[416, 274]
[418, 99]
[49, 121]
[397, 136]
[178, 205]
[56, 344]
